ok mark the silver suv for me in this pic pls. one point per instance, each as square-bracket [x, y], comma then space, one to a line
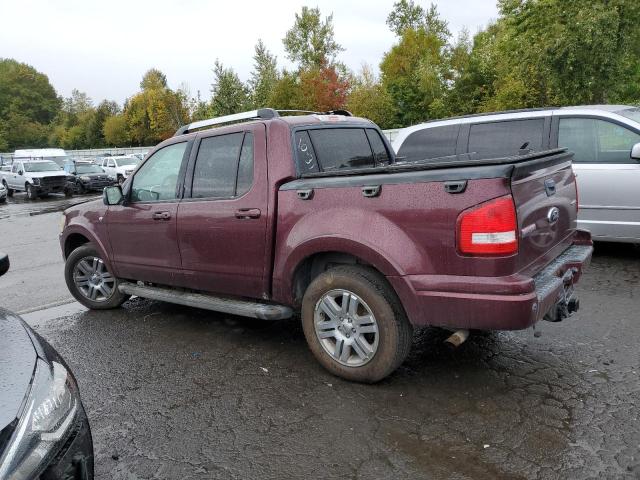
[604, 138]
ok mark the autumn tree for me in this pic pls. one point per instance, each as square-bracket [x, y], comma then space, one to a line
[115, 131]
[156, 112]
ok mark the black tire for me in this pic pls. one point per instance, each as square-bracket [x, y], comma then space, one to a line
[395, 333]
[32, 193]
[120, 179]
[80, 188]
[116, 298]
[9, 190]
[3, 200]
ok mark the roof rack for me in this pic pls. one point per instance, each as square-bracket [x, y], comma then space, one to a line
[262, 113]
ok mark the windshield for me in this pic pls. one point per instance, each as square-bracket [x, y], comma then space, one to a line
[41, 167]
[630, 113]
[127, 161]
[88, 169]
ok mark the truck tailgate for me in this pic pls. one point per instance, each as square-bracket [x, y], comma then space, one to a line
[544, 192]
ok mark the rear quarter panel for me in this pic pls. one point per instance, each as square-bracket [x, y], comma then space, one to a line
[408, 229]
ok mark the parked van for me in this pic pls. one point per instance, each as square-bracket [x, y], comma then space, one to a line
[604, 138]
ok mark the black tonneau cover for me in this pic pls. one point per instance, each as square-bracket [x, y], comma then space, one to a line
[464, 168]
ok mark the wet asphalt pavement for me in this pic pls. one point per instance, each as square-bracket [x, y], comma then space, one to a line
[173, 392]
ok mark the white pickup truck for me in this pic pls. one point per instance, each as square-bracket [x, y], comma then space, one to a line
[36, 177]
[119, 167]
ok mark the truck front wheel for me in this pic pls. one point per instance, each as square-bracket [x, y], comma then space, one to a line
[89, 280]
[9, 190]
[32, 193]
[355, 325]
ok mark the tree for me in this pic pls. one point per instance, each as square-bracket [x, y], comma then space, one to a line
[264, 76]
[230, 95]
[414, 74]
[405, 15]
[310, 42]
[369, 99]
[286, 93]
[323, 89]
[156, 112]
[153, 79]
[28, 103]
[115, 131]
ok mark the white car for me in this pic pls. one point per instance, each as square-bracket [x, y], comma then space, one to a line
[119, 167]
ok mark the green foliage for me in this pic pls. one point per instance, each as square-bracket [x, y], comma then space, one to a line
[369, 99]
[230, 95]
[310, 42]
[264, 76]
[28, 103]
[286, 93]
[414, 75]
[115, 131]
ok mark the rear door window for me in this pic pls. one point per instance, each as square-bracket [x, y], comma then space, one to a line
[224, 166]
[506, 138]
[429, 143]
[341, 148]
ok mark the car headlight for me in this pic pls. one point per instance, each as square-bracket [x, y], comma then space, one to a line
[35, 181]
[85, 179]
[49, 412]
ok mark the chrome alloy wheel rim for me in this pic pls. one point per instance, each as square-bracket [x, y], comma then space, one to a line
[346, 328]
[93, 280]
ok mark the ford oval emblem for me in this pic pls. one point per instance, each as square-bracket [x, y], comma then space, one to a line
[553, 215]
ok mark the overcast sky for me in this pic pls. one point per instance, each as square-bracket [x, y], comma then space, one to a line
[104, 47]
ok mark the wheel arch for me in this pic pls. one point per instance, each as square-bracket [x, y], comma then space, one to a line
[310, 259]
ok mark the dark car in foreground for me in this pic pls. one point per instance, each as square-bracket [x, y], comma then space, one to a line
[44, 432]
[313, 214]
[85, 176]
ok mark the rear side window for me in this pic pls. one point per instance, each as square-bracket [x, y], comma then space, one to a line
[305, 154]
[430, 143]
[498, 139]
[217, 166]
[340, 148]
[245, 166]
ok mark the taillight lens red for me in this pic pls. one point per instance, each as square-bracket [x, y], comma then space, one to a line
[489, 229]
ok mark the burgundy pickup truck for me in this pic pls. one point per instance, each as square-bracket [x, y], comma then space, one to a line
[275, 215]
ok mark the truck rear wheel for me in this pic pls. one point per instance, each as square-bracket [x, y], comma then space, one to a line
[89, 280]
[355, 325]
[32, 193]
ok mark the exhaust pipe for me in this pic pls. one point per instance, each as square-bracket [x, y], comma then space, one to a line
[457, 338]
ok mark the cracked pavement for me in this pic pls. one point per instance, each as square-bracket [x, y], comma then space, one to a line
[173, 392]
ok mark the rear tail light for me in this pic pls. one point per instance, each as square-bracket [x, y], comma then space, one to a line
[489, 229]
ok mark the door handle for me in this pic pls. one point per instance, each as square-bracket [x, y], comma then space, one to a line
[161, 215]
[305, 194]
[371, 191]
[247, 213]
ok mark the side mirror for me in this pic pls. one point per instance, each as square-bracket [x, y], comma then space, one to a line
[20, 172]
[635, 151]
[112, 195]
[4, 263]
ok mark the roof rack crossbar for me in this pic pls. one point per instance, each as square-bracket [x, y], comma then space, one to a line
[346, 113]
[264, 113]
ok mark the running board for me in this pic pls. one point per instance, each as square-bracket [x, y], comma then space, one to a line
[245, 308]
